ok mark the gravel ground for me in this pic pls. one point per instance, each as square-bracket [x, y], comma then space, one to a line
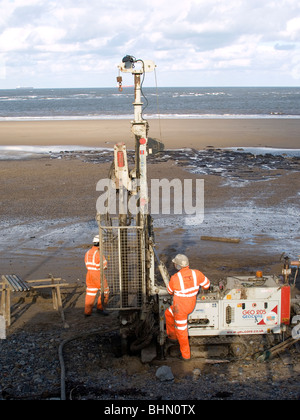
[94, 368]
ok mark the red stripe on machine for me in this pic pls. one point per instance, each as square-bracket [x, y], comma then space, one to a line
[285, 305]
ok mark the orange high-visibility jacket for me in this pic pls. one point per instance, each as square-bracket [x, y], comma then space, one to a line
[92, 263]
[184, 285]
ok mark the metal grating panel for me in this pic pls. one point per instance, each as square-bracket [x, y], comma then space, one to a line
[124, 251]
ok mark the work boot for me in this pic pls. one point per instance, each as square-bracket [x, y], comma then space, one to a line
[183, 359]
[102, 312]
[172, 340]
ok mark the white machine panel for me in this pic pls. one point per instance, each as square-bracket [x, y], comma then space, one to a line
[242, 306]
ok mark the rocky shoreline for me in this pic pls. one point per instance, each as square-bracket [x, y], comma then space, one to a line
[235, 165]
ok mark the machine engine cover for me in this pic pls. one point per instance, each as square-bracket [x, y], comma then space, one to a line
[246, 306]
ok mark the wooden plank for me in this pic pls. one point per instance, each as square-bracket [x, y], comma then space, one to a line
[2, 328]
[43, 280]
[2, 302]
[219, 239]
[7, 306]
[44, 286]
[60, 307]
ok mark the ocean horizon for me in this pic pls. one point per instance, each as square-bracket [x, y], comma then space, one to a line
[30, 104]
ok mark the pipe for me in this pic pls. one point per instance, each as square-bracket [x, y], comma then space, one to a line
[61, 358]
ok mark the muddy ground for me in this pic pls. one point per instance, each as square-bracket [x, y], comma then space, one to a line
[47, 222]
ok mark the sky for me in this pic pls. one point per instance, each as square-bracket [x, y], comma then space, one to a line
[79, 43]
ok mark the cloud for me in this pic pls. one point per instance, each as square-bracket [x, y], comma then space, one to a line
[284, 47]
[50, 39]
[292, 31]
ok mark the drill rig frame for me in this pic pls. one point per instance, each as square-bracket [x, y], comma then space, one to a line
[126, 233]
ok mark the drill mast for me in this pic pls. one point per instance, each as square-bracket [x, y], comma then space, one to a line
[126, 238]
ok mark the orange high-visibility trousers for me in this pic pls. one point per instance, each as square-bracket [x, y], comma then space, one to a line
[184, 285]
[93, 281]
[176, 323]
[93, 286]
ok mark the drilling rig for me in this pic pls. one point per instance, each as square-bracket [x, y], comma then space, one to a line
[137, 279]
[126, 229]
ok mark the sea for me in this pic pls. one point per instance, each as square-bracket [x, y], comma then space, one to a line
[28, 104]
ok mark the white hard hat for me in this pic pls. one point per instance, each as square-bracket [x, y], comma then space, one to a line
[181, 260]
[96, 239]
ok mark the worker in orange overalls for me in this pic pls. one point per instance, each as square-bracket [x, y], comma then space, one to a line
[93, 282]
[184, 286]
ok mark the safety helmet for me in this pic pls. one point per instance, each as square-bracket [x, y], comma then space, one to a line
[96, 239]
[181, 260]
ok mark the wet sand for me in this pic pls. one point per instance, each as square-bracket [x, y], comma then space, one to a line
[48, 209]
[197, 133]
[48, 206]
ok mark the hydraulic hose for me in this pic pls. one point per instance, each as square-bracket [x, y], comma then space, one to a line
[61, 358]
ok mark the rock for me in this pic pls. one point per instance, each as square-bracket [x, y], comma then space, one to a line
[164, 373]
[196, 374]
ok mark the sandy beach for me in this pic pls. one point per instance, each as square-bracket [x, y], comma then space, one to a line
[176, 134]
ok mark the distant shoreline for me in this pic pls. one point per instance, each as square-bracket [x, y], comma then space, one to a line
[151, 117]
[174, 133]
